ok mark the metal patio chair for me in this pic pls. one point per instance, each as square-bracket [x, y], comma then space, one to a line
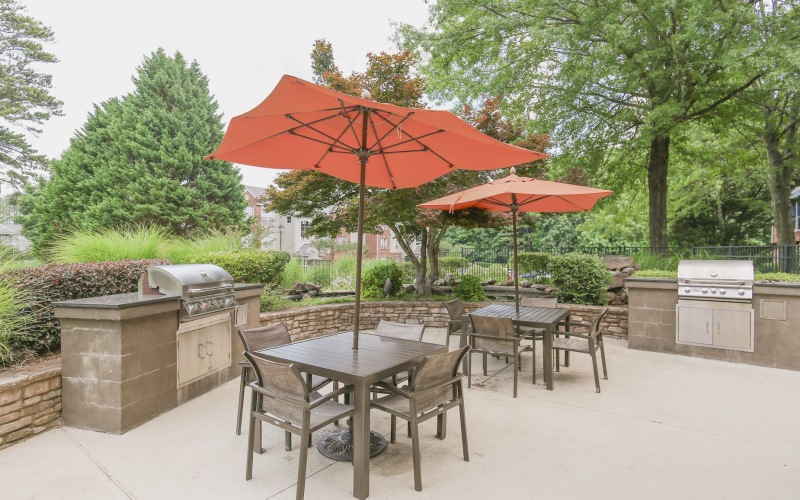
[535, 334]
[435, 387]
[498, 337]
[398, 331]
[586, 339]
[281, 398]
[264, 337]
[456, 310]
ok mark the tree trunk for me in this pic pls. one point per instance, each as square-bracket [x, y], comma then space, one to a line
[657, 184]
[421, 284]
[780, 186]
[432, 250]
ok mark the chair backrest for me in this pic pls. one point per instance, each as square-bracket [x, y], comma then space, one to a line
[435, 370]
[455, 308]
[594, 328]
[538, 301]
[502, 328]
[282, 382]
[400, 330]
[255, 339]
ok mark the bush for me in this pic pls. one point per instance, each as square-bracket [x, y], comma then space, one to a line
[579, 278]
[408, 272]
[455, 265]
[55, 282]
[531, 262]
[136, 243]
[17, 322]
[375, 278]
[250, 266]
[469, 289]
[272, 300]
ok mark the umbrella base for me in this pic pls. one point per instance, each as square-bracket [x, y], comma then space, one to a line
[338, 445]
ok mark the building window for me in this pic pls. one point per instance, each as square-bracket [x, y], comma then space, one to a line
[288, 219]
[270, 216]
[342, 240]
[303, 228]
[248, 210]
[395, 245]
[384, 244]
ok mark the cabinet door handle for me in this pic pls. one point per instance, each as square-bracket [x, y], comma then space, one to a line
[212, 348]
[706, 327]
[201, 351]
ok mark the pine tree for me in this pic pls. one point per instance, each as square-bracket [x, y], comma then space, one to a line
[25, 100]
[139, 160]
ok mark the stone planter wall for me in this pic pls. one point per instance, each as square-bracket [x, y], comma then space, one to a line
[321, 320]
[30, 403]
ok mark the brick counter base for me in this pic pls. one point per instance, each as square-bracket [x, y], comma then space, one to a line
[310, 322]
[30, 403]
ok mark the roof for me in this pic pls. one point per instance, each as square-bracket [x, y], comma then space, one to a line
[795, 193]
[255, 191]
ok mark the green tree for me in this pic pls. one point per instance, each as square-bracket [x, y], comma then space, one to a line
[25, 100]
[603, 76]
[139, 160]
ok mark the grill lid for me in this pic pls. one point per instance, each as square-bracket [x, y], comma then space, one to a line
[716, 271]
[185, 280]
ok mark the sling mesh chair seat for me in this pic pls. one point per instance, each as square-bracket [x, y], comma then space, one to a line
[398, 331]
[264, 337]
[455, 310]
[435, 387]
[586, 339]
[496, 337]
[281, 398]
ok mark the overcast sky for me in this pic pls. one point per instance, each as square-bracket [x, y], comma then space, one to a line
[243, 46]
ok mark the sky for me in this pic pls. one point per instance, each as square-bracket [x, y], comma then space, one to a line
[242, 46]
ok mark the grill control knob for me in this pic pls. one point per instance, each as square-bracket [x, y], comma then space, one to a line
[722, 292]
[687, 289]
[704, 290]
[741, 292]
[713, 290]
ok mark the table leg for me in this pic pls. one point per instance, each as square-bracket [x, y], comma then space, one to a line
[547, 357]
[465, 365]
[361, 440]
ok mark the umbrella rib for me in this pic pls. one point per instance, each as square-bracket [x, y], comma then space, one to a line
[415, 139]
[383, 156]
[310, 125]
[533, 200]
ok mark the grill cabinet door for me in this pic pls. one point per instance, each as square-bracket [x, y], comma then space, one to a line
[694, 323]
[732, 328]
[204, 346]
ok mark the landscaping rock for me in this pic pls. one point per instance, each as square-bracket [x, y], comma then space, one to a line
[618, 262]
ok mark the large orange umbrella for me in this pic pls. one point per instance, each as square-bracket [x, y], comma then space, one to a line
[520, 194]
[304, 126]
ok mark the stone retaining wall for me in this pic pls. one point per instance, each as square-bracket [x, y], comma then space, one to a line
[321, 320]
[30, 403]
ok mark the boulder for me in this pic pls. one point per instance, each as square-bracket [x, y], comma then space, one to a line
[409, 288]
[490, 282]
[300, 287]
[618, 282]
[311, 286]
[618, 262]
[507, 283]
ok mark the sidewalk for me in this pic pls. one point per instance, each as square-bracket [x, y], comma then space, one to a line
[664, 427]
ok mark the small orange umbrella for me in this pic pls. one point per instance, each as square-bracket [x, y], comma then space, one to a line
[520, 194]
[304, 126]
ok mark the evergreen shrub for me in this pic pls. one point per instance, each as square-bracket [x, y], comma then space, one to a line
[374, 279]
[469, 289]
[56, 282]
[455, 265]
[579, 278]
[247, 266]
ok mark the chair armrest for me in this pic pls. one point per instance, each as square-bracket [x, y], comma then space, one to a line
[578, 335]
[392, 389]
[451, 381]
[515, 338]
[328, 397]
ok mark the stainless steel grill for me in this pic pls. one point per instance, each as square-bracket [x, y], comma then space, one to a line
[718, 280]
[202, 288]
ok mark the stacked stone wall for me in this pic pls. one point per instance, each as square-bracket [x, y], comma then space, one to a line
[30, 403]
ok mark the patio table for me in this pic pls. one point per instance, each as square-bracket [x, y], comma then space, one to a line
[332, 356]
[546, 318]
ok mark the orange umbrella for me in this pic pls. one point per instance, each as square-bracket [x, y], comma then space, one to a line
[304, 126]
[514, 194]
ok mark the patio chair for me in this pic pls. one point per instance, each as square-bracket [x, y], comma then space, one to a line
[531, 333]
[435, 387]
[456, 310]
[399, 331]
[281, 397]
[587, 339]
[265, 337]
[498, 337]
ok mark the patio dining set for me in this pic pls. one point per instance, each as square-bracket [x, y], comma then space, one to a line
[395, 372]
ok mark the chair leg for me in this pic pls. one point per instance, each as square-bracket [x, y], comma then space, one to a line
[441, 425]
[469, 370]
[516, 376]
[242, 383]
[484, 365]
[305, 443]
[533, 350]
[393, 433]
[288, 440]
[594, 367]
[603, 359]
[415, 452]
[463, 415]
[258, 447]
[251, 438]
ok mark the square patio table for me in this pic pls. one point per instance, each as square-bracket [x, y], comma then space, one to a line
[546, 318]
[377, 358]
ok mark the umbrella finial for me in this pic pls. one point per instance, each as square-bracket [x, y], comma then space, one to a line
[513, 171]
[365, 94]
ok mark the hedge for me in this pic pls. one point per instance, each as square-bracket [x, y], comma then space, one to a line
[251, 266]
[56, 282]
[579, 278]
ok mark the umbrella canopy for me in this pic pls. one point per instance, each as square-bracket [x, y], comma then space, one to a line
[303, 126]
[520, 194]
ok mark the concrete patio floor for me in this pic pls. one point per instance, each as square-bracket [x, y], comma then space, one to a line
[664, 426]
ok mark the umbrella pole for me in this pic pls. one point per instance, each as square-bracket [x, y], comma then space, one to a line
[516, 264]
[359, 248]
